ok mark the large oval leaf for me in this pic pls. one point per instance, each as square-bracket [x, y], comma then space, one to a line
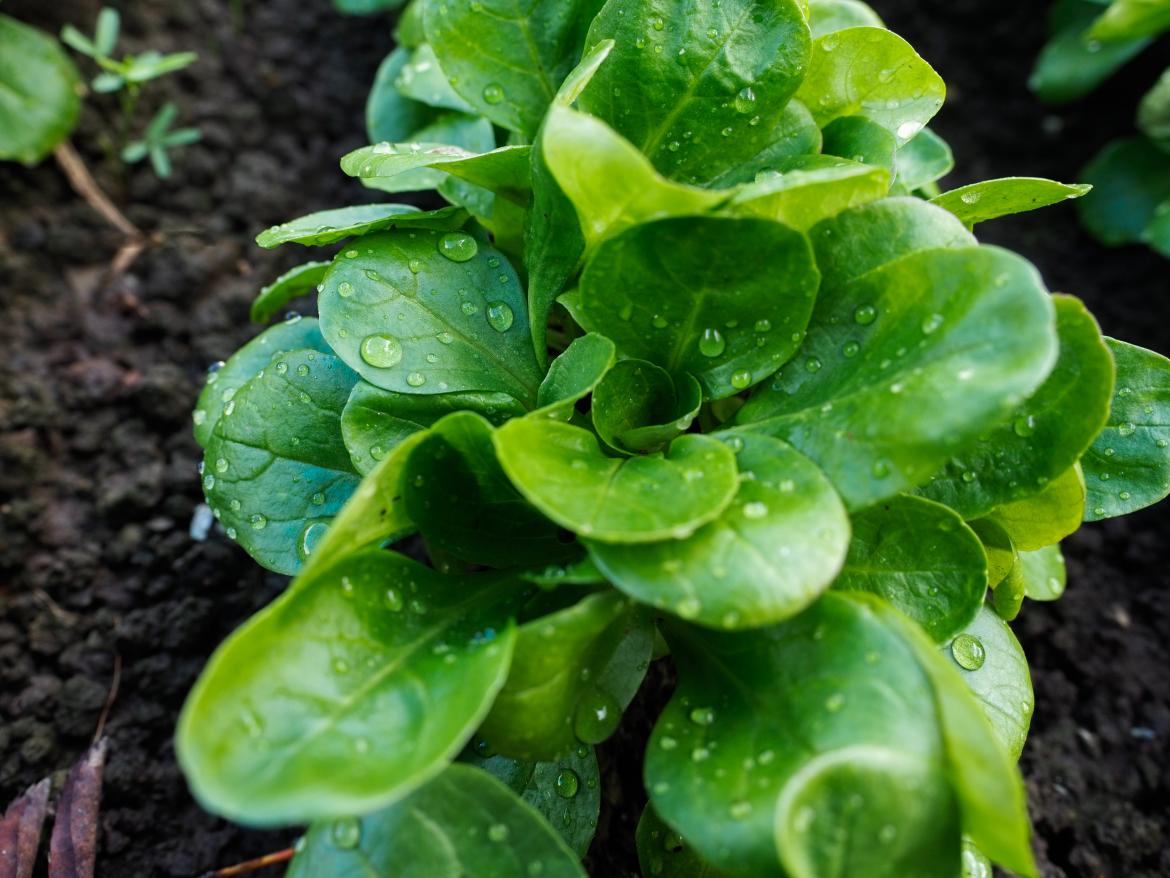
[464, 816]
[409, 319]
[726, 300]
[354, 688]
[563, 472]
[330, 226]
[768, 556]
[39, 93]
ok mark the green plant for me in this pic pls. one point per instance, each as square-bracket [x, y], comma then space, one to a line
[39, 93]
[1091, 40]
[691, 365]
[158, 139]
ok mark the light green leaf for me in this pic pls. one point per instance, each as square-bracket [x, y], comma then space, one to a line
[275, 470]
[922, 559]
[1048, 517]
[723, 299]
[330, 226]
[1130, 19]
[804, 190]
[390, 115]
[574, 375]
[504, 170]
[638, 407]
[828, 16]
[663, 853]
[1001, 554]
[1154, 112]
[769, 555]
[1130, 179]
[463, 816]
[410, 319]
[1128, 466]
[902, 95]
[697, 87]
[992, 199]
[422, 79]
[39, 93]
[347, 693]
[563, 473]
[922, 161]
[294, 283]
[1044, 573]
[556, 697]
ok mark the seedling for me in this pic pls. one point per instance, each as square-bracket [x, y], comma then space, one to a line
[158, 139]
[698, 361]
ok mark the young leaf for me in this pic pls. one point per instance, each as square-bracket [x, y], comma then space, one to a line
[767, 557]
[638, 407]
[997, 544]
[1154, 112]
[424, 313]
[39, 88]
[804, 190]
[505, 170]
[1128, 466]
[1130, 179]
[354, 688]
[421, 79]
[152, 65]
[1044, 573]
[902, 96]
[992, 199]
[862, 140]
[1046, 435]
[105, 35]
[1046, 518]
[20, 831]
[375, 421]
[275, 470]
[563, 473]
[292, 284]
[723, 299]
[390, 115]
[922, 161]
[463, 816]
[829, 16]
[555, 696]
[1071, 65]
[330, 226]
[697, 87]
[664, 853]
[922, 559]
[1129, 19]
[574, 375]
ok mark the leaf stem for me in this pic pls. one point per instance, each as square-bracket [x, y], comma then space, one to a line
[253, 865]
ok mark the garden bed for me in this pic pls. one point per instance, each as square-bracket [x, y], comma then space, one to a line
[98, 467]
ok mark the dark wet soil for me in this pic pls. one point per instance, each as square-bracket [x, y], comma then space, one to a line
[97, 465]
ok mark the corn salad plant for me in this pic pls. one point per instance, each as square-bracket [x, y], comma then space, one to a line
[696, 361]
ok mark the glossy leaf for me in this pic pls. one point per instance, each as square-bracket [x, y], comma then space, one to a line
[664, 853]
[563, 472]
[294, 283]
[922, 559]
[1072, 65]
[638, 407]
[992, 199]
[275, 471]
[767, 557]
[922, 161]
[422, 79]
[1044, 573]
[829, 16]
[375, 421]
[574, 375]
[463, 816]
[997, 545]
[39, 93]
[1046, 435]
[579, 572]
[349, 692]
[861, 140]
[409, 319]
[667, 291]
[902, 96]
[504, 170]
[1128, 466]
[795, 134]
[805, 190]
[1127, 19]
[390, 115]
[698, 89]
[1154, 111]
[1130, 179]
[330, 226]
[556, 696]
[1048, 517]
[464, 505]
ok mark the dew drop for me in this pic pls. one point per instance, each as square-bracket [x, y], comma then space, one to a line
[968, 651]
[755, 510]
[346, 833]
[458, 246]
[381, 351]
[596, 717]
[741, 379]
[258, 521]
[812, 364]
[500, 316]
[745, 101]
[712, 343]
[416, 379]
[493, 93]
[567, 783]
[310, 538]
[1024, 426]
[1126, 429]
[703, 716]
[865, 314]
[970, 197]
[497, 832]
[345, 289]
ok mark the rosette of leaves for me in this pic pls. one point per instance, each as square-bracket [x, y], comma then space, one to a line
[699, 362]
[1090, 41]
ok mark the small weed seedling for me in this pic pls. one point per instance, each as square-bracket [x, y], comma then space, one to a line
[697, 365]
[159, 139]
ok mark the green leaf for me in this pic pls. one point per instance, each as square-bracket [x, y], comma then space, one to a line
[975, 865]
[275, 471]
[422, 79]
[464, 505]
[1048, 517]
[723, 299]
[921, 558]
[829, 16]
[225, 379]
[556, 694]
[39, 89]
[638, 407]
[152, 65]
[770, 554]
[1130, 179]
[1154, 112]
[795, 134]
[330, 226]
[992, 199]
[563, 473]
[78, 41]
[105, 34]
[902, 96]
[1071, 65]
[390, 115]
[994, 667]
[1128, 466]
[463, 816]
[1044, 573]
[504, 170]
[580, 150]
[1129, 19]
[375, 421]
[663, 853]
[565, 792]
[862, 140]
[923, 160]
[365, 7]
[807, 189]
[507, 58]
[348, 692]
[1046, 435]
[907, 362]
[292, 284]
[1001, 554]
[697, 87]
[410, 319]
[574, 375]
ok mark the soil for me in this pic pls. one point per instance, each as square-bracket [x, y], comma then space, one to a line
[98, 468]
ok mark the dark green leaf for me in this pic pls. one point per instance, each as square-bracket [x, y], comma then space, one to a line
[1130, 179]
[39, 89]
[638, 407]
[862, 140]
[330, 226]
[1072, 65]
[293, 283]
[390, 115]
[922, 161]
[663, 853]
[795, 134]
[422, 79]
[574, 375]
[505, 170]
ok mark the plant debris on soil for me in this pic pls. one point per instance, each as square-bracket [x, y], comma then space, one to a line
[98, 483]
